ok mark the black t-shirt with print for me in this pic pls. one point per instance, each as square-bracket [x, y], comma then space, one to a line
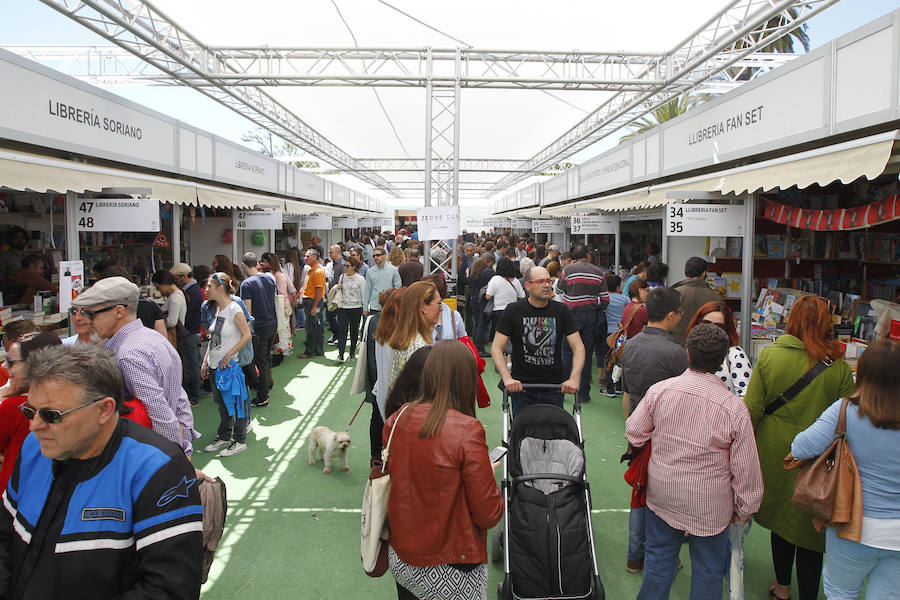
[537, 336]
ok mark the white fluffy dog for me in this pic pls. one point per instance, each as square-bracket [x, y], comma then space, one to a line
[329, 443]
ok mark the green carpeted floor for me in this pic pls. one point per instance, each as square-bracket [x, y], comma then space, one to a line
[293, 532]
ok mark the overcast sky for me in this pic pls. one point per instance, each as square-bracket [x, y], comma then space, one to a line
[495, 124]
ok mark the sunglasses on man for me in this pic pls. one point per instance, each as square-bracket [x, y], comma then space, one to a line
[50, 415]
[90, 314]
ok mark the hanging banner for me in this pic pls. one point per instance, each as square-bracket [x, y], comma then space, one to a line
[315, 222]
[474, 224]
[346, 222]
[258, 219]
[698, 220]
[839, 219]
[385, 224]
[71, 281]
[120, 214]
[548, 226]
[593, 224]
[366, 223]
[438, 222]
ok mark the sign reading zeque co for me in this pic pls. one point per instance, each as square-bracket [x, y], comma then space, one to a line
[705, 219]
[593, 224]
[438, 222]
[258, 219]
[119, 214]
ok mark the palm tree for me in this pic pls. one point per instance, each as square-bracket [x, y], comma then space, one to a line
[783, 45]
[669, 110]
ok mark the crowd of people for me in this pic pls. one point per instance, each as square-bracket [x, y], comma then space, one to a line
[715, 428]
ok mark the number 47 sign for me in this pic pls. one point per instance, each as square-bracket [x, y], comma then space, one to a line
[118, 214]
[699, 220]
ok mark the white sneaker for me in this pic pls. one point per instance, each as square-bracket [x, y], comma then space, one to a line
[216, 445]
[234, 448]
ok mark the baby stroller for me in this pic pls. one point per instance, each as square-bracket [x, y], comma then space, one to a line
[547, 540]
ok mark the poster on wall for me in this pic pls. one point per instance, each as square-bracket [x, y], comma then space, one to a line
[71, 281]
[140, 214]
[438, 222]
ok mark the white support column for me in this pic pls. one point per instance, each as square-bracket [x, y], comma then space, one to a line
[747, 269]
[177, 211]
[73, 247]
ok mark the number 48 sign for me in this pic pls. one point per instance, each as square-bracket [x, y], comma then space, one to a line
[119, 214]
[700, 220]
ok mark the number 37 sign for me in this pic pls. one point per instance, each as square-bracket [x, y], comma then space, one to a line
[705, 219]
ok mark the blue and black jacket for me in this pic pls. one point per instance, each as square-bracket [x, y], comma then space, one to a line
[125, 524]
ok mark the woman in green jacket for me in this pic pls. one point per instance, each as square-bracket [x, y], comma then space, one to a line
[808, 339]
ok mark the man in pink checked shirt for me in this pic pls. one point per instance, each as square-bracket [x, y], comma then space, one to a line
[704, 469]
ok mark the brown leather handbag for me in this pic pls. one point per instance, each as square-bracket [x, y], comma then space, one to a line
[829, 487]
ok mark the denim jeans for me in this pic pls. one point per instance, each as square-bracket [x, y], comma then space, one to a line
[636, 533]
[230, 427]
[661, 561]
[315, 329]
[586, 322]
[263, 339]
[189, 350]
[520, 400]
[848, 563]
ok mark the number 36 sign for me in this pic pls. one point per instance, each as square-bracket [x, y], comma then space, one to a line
[705, 219]
[118, 214]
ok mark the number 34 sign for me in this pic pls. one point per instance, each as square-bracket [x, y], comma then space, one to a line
[118, 214]
[705, 219]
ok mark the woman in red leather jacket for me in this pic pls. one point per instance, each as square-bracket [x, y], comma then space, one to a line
[443, 494]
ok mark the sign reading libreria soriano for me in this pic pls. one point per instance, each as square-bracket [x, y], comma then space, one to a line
[119, 214]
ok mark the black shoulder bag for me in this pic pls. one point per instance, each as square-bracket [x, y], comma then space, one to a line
[795, 389]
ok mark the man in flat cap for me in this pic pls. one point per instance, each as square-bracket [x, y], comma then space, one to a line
[189, 345]
[150, 365]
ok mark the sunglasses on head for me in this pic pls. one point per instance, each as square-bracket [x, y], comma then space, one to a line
[50, 415]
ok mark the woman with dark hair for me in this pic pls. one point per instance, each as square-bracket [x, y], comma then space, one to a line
[294, 272]
[634, 315]
[408, 387]
[352, 286]
[808, 340]
[736, 369]
[286, 324]
[504, 288]
[638, 272]
[481, 273]
[223, 264]
[873, 433]
[14, 427]
[657, 273]
[176, 305]
[451, 325]
[443, 497]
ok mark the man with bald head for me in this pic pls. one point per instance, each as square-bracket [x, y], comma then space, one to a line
[536, 327]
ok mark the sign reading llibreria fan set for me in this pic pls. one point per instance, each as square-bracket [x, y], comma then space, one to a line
[840, 219]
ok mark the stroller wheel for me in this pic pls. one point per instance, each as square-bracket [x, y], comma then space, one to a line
[497, 545]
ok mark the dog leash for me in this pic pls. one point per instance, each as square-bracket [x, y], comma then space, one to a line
[354, 414]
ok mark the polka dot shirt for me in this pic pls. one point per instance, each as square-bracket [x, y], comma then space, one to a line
[735, 371]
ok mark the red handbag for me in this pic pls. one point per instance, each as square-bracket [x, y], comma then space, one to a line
[484, 399]
[636, 476]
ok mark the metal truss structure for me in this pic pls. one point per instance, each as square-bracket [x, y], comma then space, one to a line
[724, 52]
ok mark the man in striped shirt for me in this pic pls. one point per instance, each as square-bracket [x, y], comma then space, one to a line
[704, 468]
[584, 291]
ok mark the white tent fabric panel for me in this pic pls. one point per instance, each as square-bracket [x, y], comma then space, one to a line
[223, 199]
[22, 171]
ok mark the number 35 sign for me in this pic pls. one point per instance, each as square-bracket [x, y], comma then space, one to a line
[705, 219]
[119, 214]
